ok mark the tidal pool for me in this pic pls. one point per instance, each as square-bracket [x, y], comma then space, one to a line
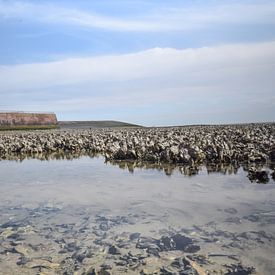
[83, 216]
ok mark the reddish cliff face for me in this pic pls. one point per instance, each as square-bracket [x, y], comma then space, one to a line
[27, 119]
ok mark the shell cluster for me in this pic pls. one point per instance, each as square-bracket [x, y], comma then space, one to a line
[191, 145]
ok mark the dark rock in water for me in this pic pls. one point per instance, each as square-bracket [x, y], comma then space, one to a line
[49, 210]
[16, 237]
[120, 263]
[103, 271]
[166, 243]
[69, 265]
[272, 155]
[192, 248]
[265, 235]
[235, 220]
[93, 271]
[134, 236]
[273, 175]
[230, 210]
[200, 259]
[15, 224]
[178, 242]
[239, 269]
[81, 255]
[258, 175]
[23, 260]
[145, 242]
[71, 247]
[104, 226]
[153, 251]
[132, 261]
[224, 234]
[113, 250]
[148, 244]
[106, 266]
[184, 267]
[181, 241]
[267, 218]
[252, 218]
[166, 271]
[256, 236]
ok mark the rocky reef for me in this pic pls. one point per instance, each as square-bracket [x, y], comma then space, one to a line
[249, 145]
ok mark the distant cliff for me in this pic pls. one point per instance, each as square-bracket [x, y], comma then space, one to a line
[23, 120]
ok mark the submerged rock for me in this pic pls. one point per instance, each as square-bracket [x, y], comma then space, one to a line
[230, 210]
[184, 266]
[93, 271]
[113, 250]
[167, 243]
[134, 236]
[40, 263]
[260, 176]
[177, 242]
[272, 154]
[239, 269]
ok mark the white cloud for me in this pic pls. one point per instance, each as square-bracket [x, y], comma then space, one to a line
[191, 82]
[177, 19]
[221, 62]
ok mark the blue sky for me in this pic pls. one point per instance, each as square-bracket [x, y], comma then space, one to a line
[147, 62]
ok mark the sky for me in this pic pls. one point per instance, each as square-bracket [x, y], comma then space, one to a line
[149, 62]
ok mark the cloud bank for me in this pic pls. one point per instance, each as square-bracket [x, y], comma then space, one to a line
[223, 84]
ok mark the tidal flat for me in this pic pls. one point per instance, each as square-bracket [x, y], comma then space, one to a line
[78, 202]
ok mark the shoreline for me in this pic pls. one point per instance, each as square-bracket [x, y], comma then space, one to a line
[250, 145]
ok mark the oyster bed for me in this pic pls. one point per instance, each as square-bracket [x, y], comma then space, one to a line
[84, 217]
[250, 145]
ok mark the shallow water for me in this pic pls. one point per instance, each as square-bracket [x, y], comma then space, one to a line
[63, 216]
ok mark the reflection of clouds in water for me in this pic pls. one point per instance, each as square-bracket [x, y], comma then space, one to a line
[166, 168]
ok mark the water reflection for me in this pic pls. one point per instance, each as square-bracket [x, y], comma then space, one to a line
[58, 155]
[83, 216]
[167, 168]
[192, 170]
